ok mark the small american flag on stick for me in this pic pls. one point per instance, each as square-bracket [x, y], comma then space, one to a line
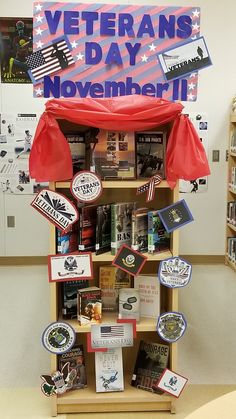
[48, 60]
[150, 187]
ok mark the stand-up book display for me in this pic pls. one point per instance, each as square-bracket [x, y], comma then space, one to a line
[111, 387]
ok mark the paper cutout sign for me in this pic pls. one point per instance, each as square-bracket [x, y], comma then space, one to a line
[172, 383]
[174, 272]
[69, 267]
[59, 382]
[171, 326]
[112, 335]
[129, 260]
[56, 207]
[86, 186]
[175, 216]
[58, 337]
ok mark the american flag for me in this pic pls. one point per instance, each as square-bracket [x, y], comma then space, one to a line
[49, 60]
[150, 187]
[112, 331]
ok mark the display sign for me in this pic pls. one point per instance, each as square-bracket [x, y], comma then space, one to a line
[175, 216]
[86, 186]
[59, 382]
[70, 267]
[129, 260]
[111, 335]
[172, 383]
[174, 272]
[106, 50]
[171, 326]
[58, 337]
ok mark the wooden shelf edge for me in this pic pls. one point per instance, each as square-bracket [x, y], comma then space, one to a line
[231, 226]
[107, 257]
[119, 184]
[230, 264]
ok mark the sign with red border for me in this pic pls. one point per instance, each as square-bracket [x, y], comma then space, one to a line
[57, 208]
[86, 186]
[172, 383]
[70, 267]
[129, 260]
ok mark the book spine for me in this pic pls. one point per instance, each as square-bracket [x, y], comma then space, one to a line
[150, 233]
[133, 232]
[113, 230]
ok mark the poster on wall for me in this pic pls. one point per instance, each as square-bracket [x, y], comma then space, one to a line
[106, 50]
[201, 124]
[16, 137]
[16, 44]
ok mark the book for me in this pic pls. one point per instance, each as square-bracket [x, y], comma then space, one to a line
[158, 238]
[110, 280]
[129, 304]
[149, 292]
[109, 370]
[150, 153]
[77, 148]
[89, 305]
[151, 360]
[140, 230]
[121, 225]
[67, 242]
[87, 228]
[69, 291]
[114, 155]
[76, 359]
[103, 229]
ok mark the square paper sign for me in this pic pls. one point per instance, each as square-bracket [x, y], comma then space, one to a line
[70, 267]
[175, 216]
[172, 383]
[129, 260]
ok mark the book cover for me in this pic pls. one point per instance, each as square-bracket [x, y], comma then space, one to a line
[89, 305]
[114, 155]
[121, 225]
[150, 152]
[103, 229]
[110, 280]
[140, 230]
[158, 238]
[87, 231]
[69, 291]
[149, 292]
[76, 359]
[67, 242]
[109, 370]
[77, 148]
[129, 304]
[152, 359]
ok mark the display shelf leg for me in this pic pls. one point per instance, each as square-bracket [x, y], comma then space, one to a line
[173, 408]
[54, 406]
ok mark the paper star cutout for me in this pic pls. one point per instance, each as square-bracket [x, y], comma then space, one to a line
[190, 96]
[39, 18]
[152, 47]
[74, 44]
[144, 58]
[191, 86]
[196, 13]
[39, 31]
[39, 44]
[193, 75]
[38, 91]
[195, 27]
[38, 7]
[80, 56]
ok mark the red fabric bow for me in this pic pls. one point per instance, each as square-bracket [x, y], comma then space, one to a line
[50, 158]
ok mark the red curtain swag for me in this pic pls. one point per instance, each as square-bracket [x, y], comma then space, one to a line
[50, 158]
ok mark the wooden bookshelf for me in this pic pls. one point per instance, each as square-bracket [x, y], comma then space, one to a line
[231, 191]
[131, 399]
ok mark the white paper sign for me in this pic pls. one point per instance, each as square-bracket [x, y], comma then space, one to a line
[111, 335]
[172, 383]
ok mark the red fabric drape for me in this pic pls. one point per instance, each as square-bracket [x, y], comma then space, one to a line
[50, 158]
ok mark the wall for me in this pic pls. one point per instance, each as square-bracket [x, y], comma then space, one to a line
[215, 92]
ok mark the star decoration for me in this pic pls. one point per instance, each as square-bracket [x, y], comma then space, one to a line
[195, 27]
[39, 44]
[144, 58]
[39, 31]
[190, 96]
[39, 92]
[152, 47]
[74, 44]
[196, 13]
[38, 7]
[39, 18]
[191, 86]
[193, 75]
[80, 56]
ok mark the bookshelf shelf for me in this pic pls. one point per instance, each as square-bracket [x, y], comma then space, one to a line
[119, 184]
[132, 399]
[230, 245]
[107, 257]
